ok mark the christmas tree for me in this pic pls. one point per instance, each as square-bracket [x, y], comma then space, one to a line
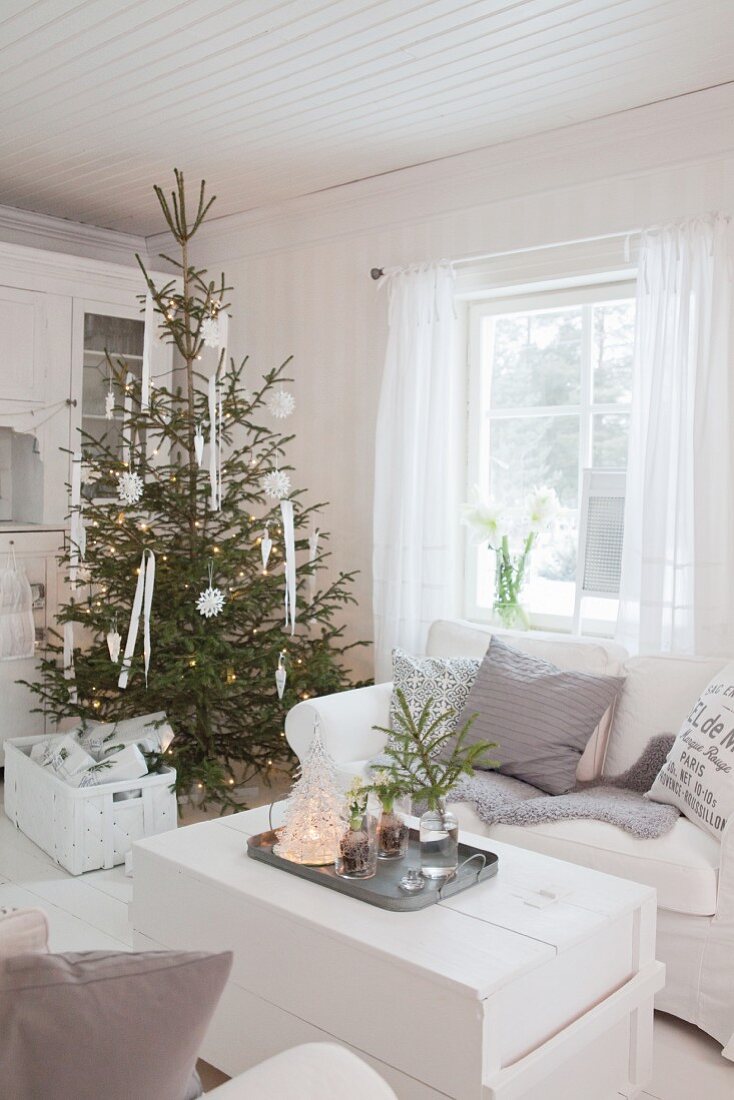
[204, 554]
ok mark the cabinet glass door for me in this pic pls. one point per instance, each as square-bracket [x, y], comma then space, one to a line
[122, 339]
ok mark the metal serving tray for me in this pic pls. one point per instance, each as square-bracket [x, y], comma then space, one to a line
[383, 890]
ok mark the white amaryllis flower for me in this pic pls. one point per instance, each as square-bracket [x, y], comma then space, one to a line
[543, 507]
[482, 517]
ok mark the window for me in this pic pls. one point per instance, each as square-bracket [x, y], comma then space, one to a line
[550, 384]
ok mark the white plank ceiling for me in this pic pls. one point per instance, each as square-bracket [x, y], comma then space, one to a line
[274, 98]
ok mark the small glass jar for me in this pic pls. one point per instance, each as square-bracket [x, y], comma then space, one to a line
[357, 855]
[393, 830]
[439, 841]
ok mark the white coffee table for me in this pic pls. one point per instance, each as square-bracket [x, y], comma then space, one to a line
[494, 994]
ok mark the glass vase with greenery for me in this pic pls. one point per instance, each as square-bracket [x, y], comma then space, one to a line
[393, 830]
[489, 524]
[426, 756]
[357, 857]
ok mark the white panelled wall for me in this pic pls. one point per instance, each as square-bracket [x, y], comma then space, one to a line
[301, 270]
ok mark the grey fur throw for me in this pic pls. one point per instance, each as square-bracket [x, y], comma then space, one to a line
[618, 800]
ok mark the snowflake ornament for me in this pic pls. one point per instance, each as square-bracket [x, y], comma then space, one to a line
[129, 487]
[276, 484]
[281, 404]
[210, 602]
[211, 332]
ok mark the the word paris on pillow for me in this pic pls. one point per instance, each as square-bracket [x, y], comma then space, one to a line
[698, 776]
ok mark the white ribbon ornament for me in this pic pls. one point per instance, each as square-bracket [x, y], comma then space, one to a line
[148, 337]
[286, 511]
[141, 603]
[219, 454]
[214, 456]
[127, 405]
[77, 533]
[280, 674]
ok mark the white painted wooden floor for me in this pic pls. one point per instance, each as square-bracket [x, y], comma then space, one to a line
[90, 913]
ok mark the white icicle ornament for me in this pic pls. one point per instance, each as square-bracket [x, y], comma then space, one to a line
[113, 644]
[280, 675]
[109, 405]
[266, 545]
[199, 444]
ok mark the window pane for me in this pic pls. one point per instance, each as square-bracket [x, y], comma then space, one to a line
[609, 440]
[528, 452]
[613, 334]
[535, 358]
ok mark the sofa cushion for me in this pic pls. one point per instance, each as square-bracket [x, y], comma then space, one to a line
[658, 694]
[100, 1024]
[451, 637]
[442, 683]
[539, 716]
[683, 865]
[698, 775]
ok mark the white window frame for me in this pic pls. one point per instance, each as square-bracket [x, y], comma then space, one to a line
[608, 288]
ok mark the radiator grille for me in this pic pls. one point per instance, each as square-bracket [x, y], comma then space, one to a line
[604, 533]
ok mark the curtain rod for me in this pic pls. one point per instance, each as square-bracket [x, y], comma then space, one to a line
[378, 272]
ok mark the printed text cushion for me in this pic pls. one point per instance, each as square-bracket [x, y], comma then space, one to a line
[698, 775]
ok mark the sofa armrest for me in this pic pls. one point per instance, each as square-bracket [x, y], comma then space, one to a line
[315, 1071]
[346, 720]
[725, 896]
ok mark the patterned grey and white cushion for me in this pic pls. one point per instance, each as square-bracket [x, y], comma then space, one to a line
[443, 680]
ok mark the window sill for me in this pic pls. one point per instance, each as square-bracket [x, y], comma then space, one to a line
[552, 624]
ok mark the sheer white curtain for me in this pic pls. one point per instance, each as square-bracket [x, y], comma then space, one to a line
[415, 506]
[678, 560]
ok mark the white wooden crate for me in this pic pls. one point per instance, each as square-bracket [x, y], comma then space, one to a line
[84, 828]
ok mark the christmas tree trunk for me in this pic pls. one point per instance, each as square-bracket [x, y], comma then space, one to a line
[215, 536]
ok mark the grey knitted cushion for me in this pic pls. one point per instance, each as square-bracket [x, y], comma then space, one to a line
[541, 716]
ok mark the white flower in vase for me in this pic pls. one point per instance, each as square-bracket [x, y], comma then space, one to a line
[483, 518]
[543, 507]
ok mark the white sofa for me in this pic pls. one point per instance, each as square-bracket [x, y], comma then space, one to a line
[692, 873]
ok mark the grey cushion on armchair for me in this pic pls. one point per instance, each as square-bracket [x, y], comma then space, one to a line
[102, 1026]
